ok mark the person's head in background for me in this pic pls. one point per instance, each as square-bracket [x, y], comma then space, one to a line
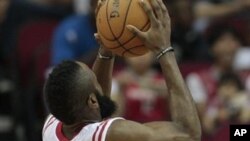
[4, 4]
[84, 7]
[224, 41]
[142, 64]
[229, 86]
[183, 13]
[234, 98]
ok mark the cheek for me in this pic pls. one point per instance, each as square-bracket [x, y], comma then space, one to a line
[225, 53]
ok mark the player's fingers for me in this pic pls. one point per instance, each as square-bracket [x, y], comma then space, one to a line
[156, 7]
[98, 38]
[136, 31]
[163, 7]
[165, 18]
[99, 4]
[149, 11]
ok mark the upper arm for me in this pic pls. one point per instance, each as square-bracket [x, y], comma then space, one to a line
[124, 130]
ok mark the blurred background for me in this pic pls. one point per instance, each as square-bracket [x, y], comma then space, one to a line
[211, 40]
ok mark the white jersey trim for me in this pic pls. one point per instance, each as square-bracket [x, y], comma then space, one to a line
[101, 132]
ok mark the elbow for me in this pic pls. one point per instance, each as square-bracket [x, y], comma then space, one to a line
[199, 132]
[195, 133]
[193, 137]
[196, 136]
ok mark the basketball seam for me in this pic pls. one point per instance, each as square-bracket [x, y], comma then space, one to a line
[123, 27]
[128, 50]
[131, 38]
[112, 30]
[106, 38]
[131, 49]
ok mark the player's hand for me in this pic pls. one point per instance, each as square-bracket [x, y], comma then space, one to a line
[102, 49]
[157, 38]
[99, 5]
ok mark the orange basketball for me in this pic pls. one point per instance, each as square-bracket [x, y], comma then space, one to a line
[112, 19]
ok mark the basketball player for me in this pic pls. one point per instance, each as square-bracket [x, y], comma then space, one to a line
[78, 97]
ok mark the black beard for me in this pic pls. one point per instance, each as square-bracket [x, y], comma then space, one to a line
[107, 106]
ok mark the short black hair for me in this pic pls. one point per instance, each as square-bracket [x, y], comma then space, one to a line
[230, 77]
[61, 92]
[217, 31]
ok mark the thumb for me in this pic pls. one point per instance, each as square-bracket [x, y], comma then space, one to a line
[98, 38]
[99, 4]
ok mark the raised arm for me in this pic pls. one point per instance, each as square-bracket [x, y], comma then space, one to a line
[104, 63]
[183, 110]
[185, 124]
[157, 39]
[103, 68]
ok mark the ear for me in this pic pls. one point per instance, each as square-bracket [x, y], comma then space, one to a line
[93, 102]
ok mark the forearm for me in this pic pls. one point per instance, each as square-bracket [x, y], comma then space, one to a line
[103, 69]
[183, 110]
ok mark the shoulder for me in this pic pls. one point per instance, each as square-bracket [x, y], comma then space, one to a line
[49, 127]
[97, 131]
[49, 120]
[125, 130]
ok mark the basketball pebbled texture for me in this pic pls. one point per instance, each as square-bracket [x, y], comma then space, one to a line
[112, 19]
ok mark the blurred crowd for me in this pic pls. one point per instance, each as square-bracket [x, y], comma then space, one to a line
[211, 39]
